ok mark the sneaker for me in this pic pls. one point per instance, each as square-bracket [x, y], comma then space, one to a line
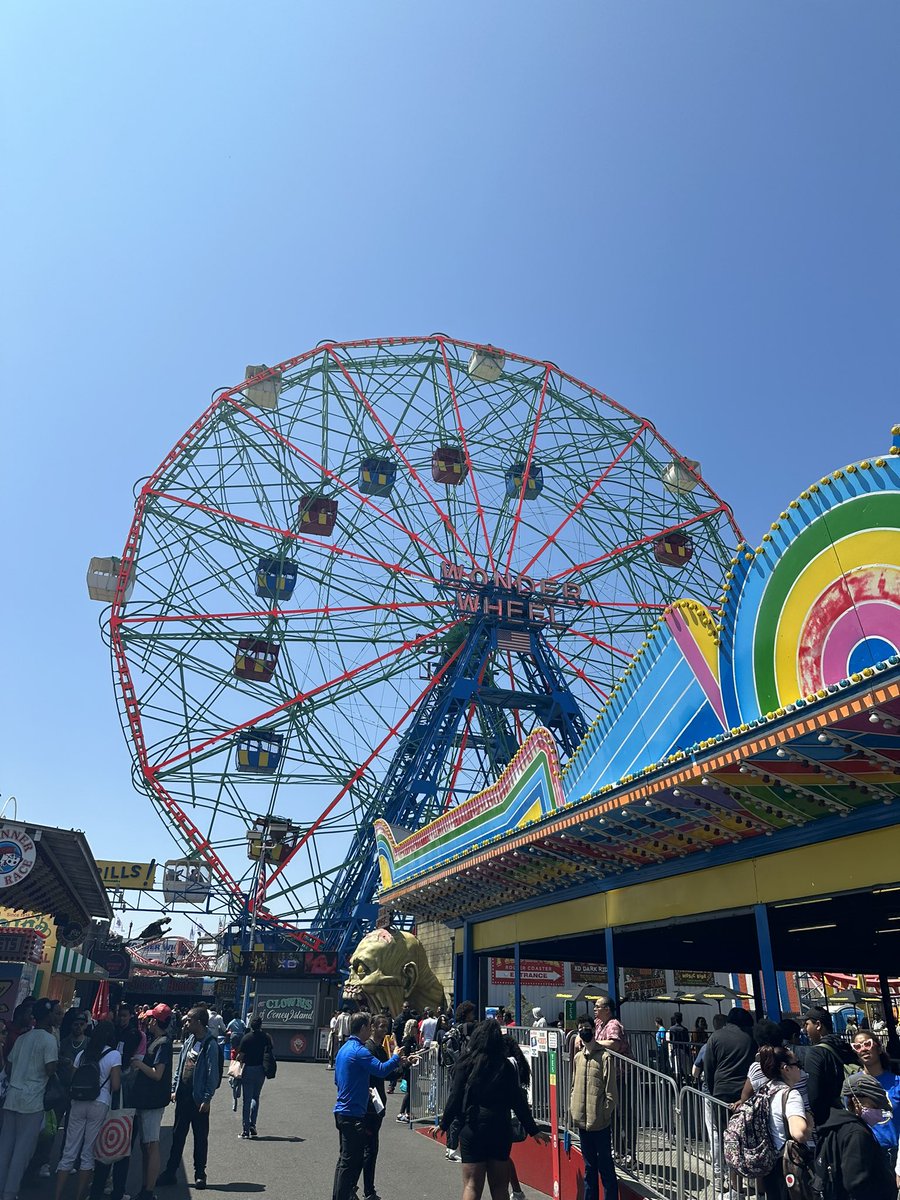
[253, 1132]
[403, 1117]
[44, 1172]
[167, 1179]
[372, 1196]
[516, 1195]
[200, 1182]
[244, 1133]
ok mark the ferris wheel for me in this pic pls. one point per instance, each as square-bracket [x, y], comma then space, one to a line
[361, 578]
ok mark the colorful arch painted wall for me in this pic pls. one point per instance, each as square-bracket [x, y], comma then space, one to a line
[816, 603]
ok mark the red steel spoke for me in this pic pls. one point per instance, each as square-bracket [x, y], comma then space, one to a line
[639, 605]
[651, 537]
[531, 445]
[363, 499]
[551, 538]
[444, 517]
[465, 446]
[329, 610]
[364, 766]
[296, 537]
[301, 697]
[578, 671]
[595, 641]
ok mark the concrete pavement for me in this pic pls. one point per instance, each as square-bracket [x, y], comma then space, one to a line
[293, 1158]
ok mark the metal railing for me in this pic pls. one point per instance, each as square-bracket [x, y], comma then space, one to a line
[668, 1139]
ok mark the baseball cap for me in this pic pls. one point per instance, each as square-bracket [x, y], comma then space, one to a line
[865, 1088]
[161, 1012]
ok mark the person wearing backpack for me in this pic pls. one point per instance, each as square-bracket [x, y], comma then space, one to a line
[251, 1054]
[96, 1076]
[850, 1164]
[828, 1061]
[787, 1115]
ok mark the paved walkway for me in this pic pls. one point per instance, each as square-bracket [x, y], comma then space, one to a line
[293, 1158]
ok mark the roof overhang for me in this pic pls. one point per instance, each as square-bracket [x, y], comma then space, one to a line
[803, 776]
[64, 881]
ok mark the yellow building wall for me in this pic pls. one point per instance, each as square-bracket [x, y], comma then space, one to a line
[863, 860]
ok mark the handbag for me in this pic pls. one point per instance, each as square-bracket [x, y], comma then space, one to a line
[55, 1095]
[797, 1162]
[114, 1139]
[235, 1069]
[270, 1063]
[518, 1132]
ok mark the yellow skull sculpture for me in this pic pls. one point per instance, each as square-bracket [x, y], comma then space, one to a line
[390, 966]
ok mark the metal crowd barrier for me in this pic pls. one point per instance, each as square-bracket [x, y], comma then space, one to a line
[666, 1138]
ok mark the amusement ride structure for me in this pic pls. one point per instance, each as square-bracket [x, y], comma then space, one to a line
[357, 583]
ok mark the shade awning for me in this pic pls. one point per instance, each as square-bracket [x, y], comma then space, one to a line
[69, 962]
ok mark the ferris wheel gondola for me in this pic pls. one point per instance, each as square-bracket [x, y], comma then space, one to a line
[362, 577]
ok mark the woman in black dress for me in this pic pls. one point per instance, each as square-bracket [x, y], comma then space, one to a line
[484, 1092]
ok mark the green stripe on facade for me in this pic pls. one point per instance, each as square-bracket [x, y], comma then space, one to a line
[877, 511]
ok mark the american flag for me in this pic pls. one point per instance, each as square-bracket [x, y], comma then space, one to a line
[518, 640]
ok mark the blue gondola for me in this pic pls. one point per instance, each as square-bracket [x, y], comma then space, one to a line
[276, 578]
[377, 476]
[516, 474]
[258, 751]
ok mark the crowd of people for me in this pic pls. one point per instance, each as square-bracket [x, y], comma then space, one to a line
[828, 1106]
[831, 1105]
[65, 1075]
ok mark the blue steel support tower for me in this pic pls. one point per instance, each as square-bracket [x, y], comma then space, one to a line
[410, 794]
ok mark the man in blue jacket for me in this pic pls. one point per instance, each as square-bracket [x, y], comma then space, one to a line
[196, 1078]
[352, 1068]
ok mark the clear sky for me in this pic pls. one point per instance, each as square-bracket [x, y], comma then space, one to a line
[691, 204]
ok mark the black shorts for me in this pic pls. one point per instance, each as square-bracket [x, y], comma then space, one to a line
[478, 1143]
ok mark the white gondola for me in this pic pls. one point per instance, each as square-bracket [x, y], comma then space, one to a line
[186, 881]
[102, 576]
[679, 477]
[265, 393]
[486, 365]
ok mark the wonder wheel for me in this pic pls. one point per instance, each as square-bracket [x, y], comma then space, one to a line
[357, 582]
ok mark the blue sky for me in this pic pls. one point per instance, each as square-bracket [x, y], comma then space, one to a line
[690, 205]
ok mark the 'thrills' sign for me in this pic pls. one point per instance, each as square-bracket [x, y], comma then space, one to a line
[508, 596]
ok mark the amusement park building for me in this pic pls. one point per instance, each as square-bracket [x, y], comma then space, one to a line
[51, 892]
[735, 804]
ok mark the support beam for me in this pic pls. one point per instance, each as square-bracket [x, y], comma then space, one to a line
[517, 982]
[767, 962]
[469, 965]
[893, 1041]
[611, 972]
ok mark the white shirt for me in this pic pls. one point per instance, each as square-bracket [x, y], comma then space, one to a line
[429, 1025]
[785, 1103]
[28, 1076]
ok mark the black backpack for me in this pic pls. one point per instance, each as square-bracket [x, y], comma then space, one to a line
[453, 1046]
[85, 1083]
